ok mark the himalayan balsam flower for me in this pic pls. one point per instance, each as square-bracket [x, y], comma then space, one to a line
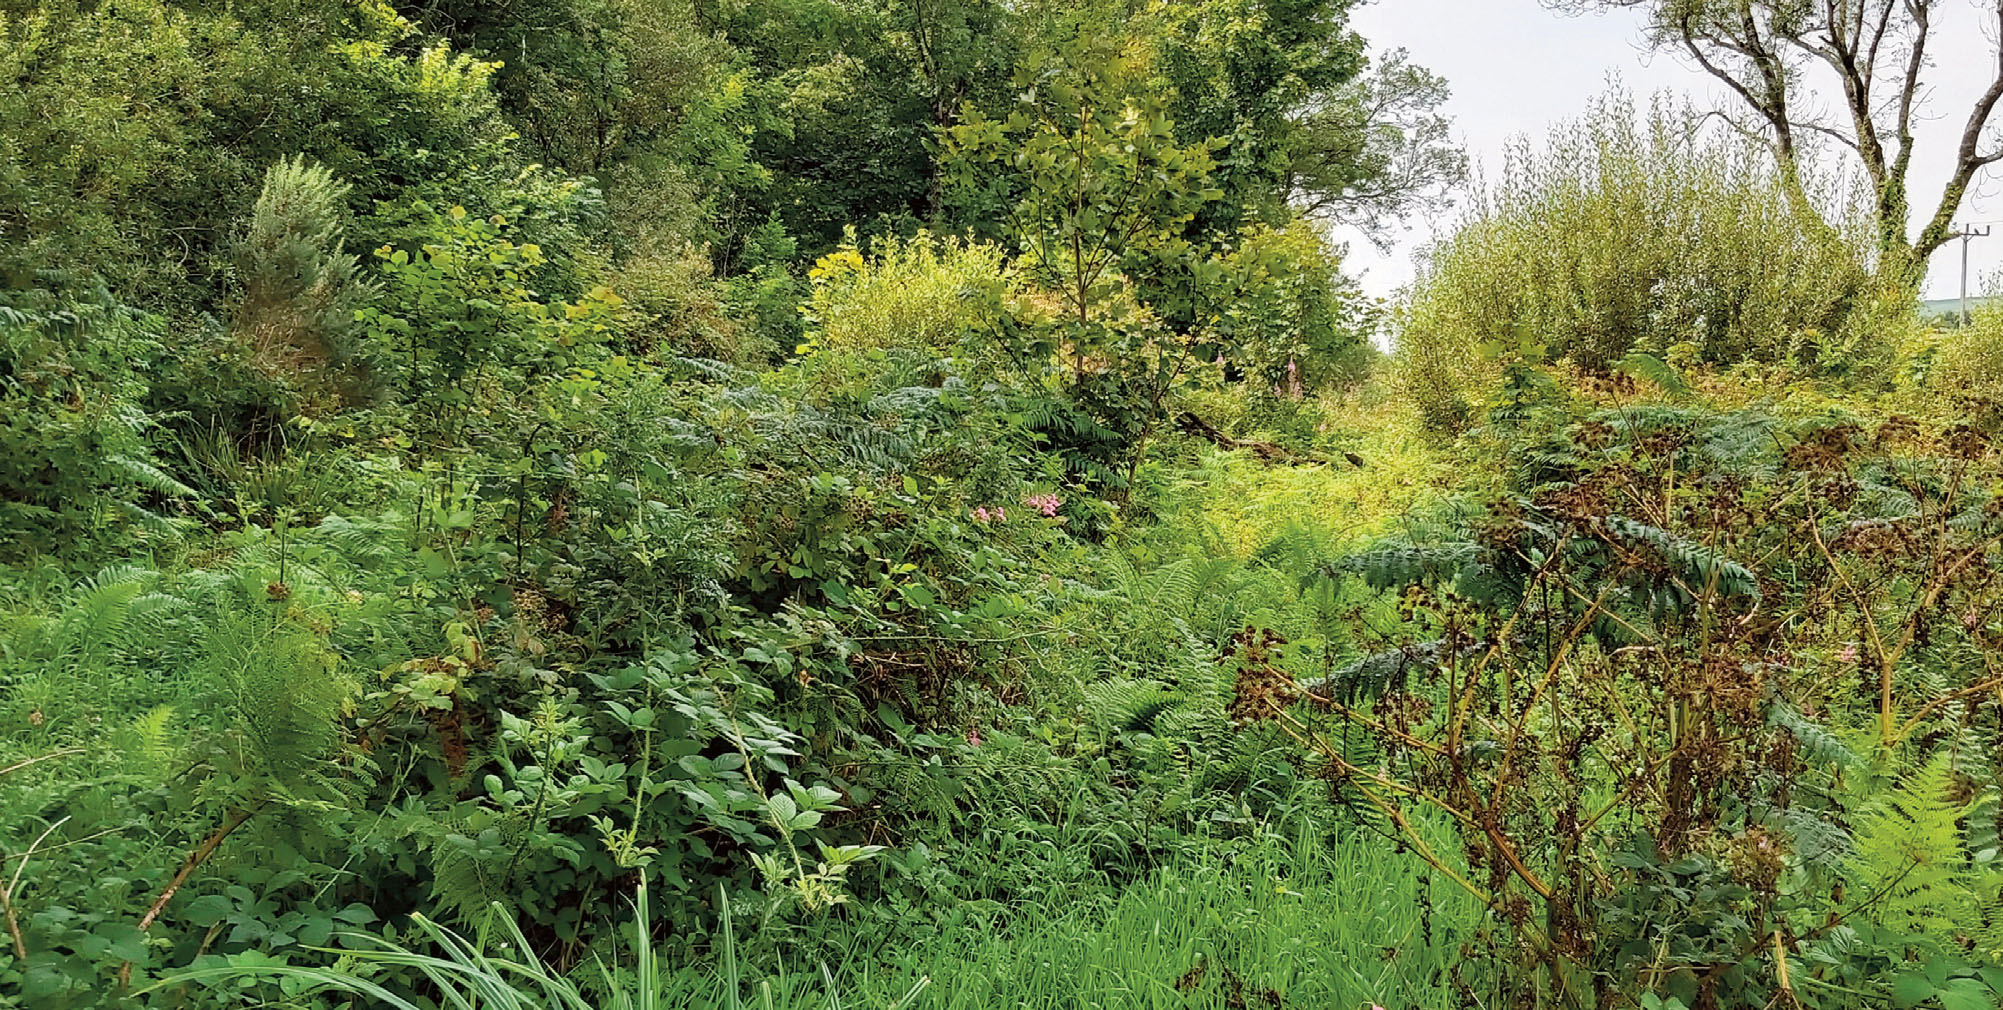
[1047, 504]
[1848, 653]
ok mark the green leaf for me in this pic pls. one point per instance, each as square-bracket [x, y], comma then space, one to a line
[124, 942]
[1911, 989]
[1966, 994]
[784, 810]
[207, 910]
[434, 563]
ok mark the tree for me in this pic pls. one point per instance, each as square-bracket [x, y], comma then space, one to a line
[1242, 71]
[1099, 196]
[1877, 52]
[962, 51]
[301, 287]
[1101, 185]
[1376, 149]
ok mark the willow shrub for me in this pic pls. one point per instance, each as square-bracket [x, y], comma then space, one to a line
[1964, 372]
[1631, 230]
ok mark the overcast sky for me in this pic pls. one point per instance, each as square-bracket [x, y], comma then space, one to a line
[1517, 68]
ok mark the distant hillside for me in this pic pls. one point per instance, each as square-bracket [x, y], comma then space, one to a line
[1949, 308]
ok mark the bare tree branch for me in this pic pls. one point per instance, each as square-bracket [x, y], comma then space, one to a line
[1878, 54]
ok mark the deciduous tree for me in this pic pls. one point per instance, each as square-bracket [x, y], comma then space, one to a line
[1878, 54]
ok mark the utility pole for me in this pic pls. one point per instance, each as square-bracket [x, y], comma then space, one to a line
[1964, 234]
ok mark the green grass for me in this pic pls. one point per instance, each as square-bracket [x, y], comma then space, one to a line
[1336, 927]
[1241, 503]
[1322, 928]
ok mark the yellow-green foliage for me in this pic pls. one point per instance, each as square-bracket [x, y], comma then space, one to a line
[676, 306]
[922, 292]
[1967, 369]
[1910, 857]
[1630, 231]
[1249, 503]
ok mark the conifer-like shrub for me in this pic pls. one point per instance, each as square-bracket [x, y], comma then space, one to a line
[296, 318]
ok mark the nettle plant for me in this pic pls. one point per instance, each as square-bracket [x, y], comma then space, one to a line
[1710, 703]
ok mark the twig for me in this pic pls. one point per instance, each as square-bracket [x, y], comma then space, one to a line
[13, 885]
[18, 765]
[194, 861]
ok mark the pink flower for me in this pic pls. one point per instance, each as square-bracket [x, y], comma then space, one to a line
[974, 737]
[1048, 504]
[981, 514]
[1848, 653]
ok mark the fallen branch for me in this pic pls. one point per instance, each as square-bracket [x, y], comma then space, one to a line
[194, 861]
[1266, 451]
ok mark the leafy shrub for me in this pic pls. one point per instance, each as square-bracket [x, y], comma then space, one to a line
[132, 131]
[1283, 313]
[76, 466]
[465, 310]
[922, 292]
[764, 293]
[1628, 231]
[1966, 369]
[677, 307]
[79, 158]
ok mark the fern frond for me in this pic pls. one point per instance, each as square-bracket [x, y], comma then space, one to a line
[1816, 838]
[1392, 567]
[1122, 705]
[148, 477]
[1909, 854]
[1819, 745]
[1650, 368]
[1698, 565]
[1371, 676]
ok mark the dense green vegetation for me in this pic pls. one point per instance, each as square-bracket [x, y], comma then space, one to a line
[640, 503]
